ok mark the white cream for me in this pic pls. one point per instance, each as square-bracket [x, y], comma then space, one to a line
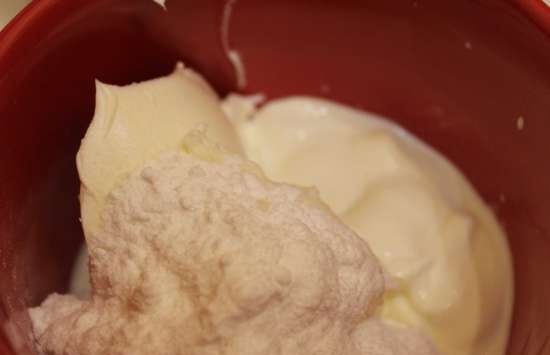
[138, 122]
[447, 255]
[421, 217]
[233, 55]
[162, 3]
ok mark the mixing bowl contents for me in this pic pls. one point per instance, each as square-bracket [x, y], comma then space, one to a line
[193, 250]
[446, 253]
[198, 253]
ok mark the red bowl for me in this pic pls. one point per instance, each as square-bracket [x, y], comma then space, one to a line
[458, 74]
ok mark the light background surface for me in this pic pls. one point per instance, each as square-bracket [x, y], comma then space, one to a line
[9, 8]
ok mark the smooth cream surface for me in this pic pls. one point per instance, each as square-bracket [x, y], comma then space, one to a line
[135, 123]
[443, 247]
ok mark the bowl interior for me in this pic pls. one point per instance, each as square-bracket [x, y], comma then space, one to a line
[459, 74]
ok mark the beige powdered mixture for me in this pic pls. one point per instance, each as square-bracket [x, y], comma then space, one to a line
[199, 254]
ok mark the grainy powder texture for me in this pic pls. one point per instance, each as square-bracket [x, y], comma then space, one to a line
[199, 254]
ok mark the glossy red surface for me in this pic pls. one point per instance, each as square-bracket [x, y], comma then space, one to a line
[457, 73]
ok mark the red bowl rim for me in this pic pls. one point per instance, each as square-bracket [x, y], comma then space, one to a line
[32, 18]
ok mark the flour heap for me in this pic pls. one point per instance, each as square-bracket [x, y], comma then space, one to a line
[200, 254]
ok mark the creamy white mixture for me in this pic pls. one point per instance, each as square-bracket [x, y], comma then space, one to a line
[198, 253]
[448, 266]
[430, 230]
